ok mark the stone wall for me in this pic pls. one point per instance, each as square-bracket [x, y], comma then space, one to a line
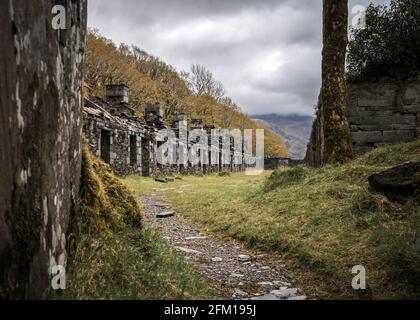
[275, 163]
[111, 122]
[381, 112]
[40, 129]
[123, 133]
[387, 111]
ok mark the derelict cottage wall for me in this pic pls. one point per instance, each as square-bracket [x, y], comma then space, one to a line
[387, 111]
[114, 136]
[40, 129]
[381, 112]
[131, 145]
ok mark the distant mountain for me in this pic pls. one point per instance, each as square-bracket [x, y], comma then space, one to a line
[294, 129]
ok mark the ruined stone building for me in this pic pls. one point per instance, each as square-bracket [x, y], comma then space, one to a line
[384, 111]
[131, 145]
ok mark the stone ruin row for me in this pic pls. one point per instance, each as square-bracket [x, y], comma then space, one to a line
[129, 144]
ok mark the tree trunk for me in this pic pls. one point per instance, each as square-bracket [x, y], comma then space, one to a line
[336, 146]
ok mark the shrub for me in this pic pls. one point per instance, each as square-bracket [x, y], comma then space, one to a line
[389, 45]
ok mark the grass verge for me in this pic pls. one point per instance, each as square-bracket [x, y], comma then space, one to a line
[322, 222]
[112, 256]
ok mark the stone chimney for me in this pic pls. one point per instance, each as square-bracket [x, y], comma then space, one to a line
[176, 118]
[209, 127]
[197, 124]
[153, 114]
[116, 94]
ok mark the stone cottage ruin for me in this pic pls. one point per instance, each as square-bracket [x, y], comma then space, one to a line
[382, 111]
[132, 145]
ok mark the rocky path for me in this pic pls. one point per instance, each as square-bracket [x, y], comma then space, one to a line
[238, 273]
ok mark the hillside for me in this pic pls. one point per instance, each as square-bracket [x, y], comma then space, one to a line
[294, 129]
[153, 81]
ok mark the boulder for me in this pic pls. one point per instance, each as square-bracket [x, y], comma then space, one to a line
[398, 182]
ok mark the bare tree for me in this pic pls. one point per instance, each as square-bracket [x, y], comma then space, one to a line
[202, 81]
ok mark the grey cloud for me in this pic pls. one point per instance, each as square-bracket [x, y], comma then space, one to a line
[266, 52]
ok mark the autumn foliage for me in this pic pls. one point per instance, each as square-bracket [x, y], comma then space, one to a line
[153, 81]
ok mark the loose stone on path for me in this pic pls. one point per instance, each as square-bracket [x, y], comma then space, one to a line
[285, 293]
[196, 238]
[268, 296]
[243, 258]
[165, 214]
[216, 259]
[225, 262]
[266, 284]
[187, 250]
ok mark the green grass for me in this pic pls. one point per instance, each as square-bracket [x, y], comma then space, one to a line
[132, 264]
[112, 256]
[322, 222]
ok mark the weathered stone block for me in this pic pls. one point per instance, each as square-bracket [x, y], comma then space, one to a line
[412, 93]
[408, 100]
[40, 126]
[375, 127]
[411, 127]
[393, 107]
[367, 136]
[352, 103]
[395, 136]
[415, 108]
[372, 102]
[153, 109]
[367, 118]
[116, 94]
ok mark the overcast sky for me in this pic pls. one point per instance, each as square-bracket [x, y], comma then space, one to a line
[267, 53]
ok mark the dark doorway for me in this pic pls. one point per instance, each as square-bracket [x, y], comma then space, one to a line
[220, 154]
[106, 146]
[133, 150]
[145, 157]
